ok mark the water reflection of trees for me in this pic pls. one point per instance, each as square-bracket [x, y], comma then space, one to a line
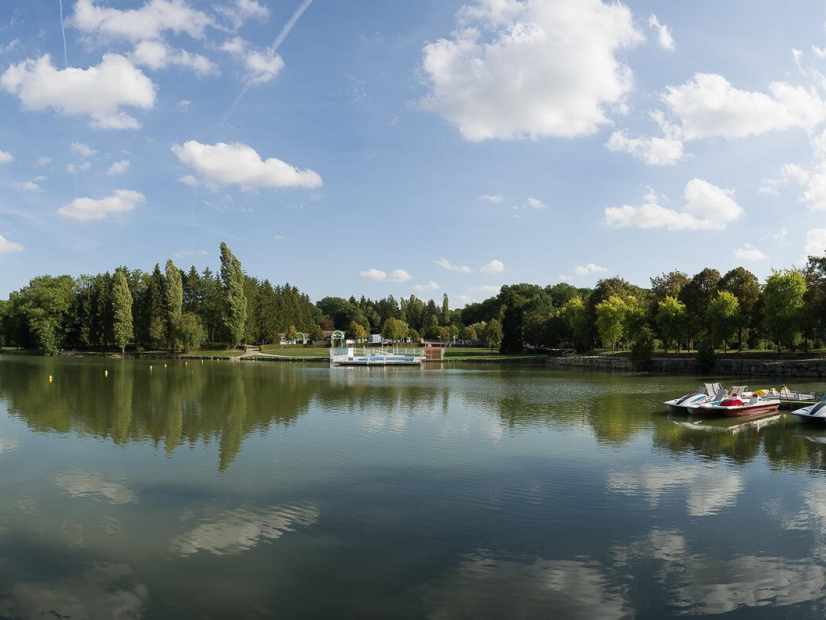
[169, 406]
[783, 443]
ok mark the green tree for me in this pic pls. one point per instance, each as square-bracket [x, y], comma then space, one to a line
[235, 303]
[316, 333]
[697, 295]
[468, 333]
[745, 286]
[445, 310]
[611, 315]
[672, 319]
[191, 333]
[173, 299]
[394, 329]
[357, 331]
[292, 334]
[45, 304]
[575, 316]
[783, 306]
[724, 318]
[413, 335]
[492, 336]
[122, 307]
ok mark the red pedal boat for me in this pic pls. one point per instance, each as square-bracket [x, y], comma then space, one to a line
[734, 406]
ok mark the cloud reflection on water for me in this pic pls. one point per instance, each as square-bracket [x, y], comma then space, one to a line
[234, 531]
[89, 484]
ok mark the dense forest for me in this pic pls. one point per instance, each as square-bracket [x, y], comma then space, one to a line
[176, 310]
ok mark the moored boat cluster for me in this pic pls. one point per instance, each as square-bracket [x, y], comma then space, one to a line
[713, 399]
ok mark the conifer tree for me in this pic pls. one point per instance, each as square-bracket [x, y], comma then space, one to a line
[235, 302]
[122, 310]
[173, 303]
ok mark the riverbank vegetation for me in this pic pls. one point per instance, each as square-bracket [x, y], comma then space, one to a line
[174, 310]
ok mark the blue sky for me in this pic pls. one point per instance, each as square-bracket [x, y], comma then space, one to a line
[373, 147]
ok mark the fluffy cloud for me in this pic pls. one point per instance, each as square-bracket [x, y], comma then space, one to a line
[86, 209]
[397, 275]
[97, 92]
[84, 150]
[239, 164]
[6, 157]
[119, 167]
[707, 207]
[493, 267]
[9, 247]
[485, 289]
[708, 105]
[495, 198]
[535, 203]
[147, 22]
[73, 168]
[749, 252]
[653, 151]
[531, 69]
[814, 181]
[32, 185]
[242, 11]
[816, 242]
[448, 266]
[157, 55]
[430, 286]
[663, 32]
[588, 269]
[261, 65]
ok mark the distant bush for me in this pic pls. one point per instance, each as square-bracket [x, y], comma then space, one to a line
[643, 349]
[706, 358]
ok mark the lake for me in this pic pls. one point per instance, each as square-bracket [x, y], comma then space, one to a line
[262, 490]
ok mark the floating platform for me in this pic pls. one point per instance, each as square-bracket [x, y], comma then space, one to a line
[352, 356]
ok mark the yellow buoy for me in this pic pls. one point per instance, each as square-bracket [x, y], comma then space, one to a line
[164, 365]
[50, 378]
[186, 363]
[150, 367]
[105, 373]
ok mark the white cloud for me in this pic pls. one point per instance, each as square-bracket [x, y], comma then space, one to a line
[242, 11]
[84, 150]
[43, 161]
[768, 190]
[485, 289]
[184, 104]
[147, 22]
[189, 180]
[663, 32]
[535, 203]
[87, 209]
[493, 267]
[119, 167]
[9, 247]
[749, 252]
[98, 92]
[32, 185]
[496, 198]
[448, 266]
[239, 164]
[708, 105]
[430, 286]
[588, 269]
[707, 207]
[74, 168]
[653, 151]
[261, 65]
[564, 278]
[816, 242]
[157, 55]
[397, 275]
[5, 157]
[531, 69]
[814, 181]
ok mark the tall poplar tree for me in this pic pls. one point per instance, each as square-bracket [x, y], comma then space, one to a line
[173, 302]
[122, 310]
[232, 278]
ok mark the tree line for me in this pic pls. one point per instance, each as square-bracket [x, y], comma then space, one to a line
[176, 310]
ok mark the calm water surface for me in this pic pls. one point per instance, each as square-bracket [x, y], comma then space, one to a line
[227, 490]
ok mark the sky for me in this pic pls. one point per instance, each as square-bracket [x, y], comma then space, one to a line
[419, 147]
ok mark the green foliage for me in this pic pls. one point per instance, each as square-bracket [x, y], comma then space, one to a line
[292, 334]
[413, 335]
[672, 319]
[724, 317]
[513, 327]
[642, 350]
[316, 333]
[235, 302]
[706, 358]
[575, 316]
[394, 329]
[173, 299]
[122, 309]
[783, 306]
[191, 333]
[357, 332]
[492, 335]
[468, 333]
[45, 303]
[697, 295]
[611, 315]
